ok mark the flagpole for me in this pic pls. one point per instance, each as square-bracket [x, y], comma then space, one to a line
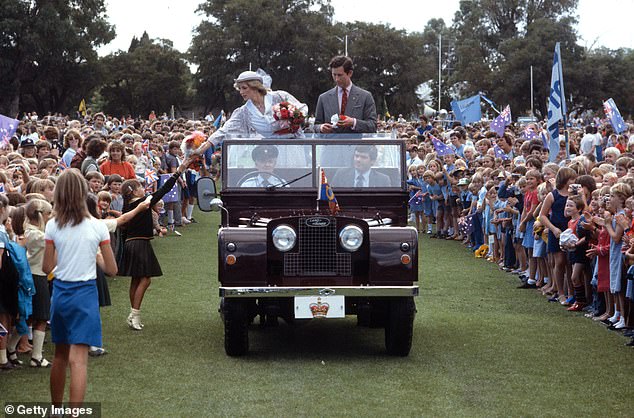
[439, 67]
[532, 106]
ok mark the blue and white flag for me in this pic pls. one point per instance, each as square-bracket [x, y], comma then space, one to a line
[489, 101]
[8, 127]
[614, 116]
[502, 121]
[441, 148]
[528, 133]
[218, 120]
[468, 110]
[556, 103]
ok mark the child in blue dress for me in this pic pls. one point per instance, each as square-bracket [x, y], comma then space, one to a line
[416, 196]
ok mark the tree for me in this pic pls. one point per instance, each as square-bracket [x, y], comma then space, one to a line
[152, 75]
[388, 63]
[48, 58]
[497, 41]
[292, 40]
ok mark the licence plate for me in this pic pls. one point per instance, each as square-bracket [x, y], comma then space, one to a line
[308, 307]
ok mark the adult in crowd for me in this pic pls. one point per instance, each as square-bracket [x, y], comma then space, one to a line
[361, 173]
[115, 164]
[345, 99]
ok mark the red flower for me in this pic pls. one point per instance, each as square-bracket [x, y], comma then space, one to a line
[284, 113]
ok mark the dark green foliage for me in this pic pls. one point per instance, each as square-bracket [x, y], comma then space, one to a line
[152, 75]
[47, 53]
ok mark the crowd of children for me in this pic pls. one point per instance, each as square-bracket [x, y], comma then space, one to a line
[564, 224]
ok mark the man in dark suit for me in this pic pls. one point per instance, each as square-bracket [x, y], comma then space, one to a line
[361, 174]
[345, 99]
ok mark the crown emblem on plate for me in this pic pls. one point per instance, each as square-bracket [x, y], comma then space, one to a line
[319, 309]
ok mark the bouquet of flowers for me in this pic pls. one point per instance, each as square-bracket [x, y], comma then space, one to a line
[191, 143]
[289, 117]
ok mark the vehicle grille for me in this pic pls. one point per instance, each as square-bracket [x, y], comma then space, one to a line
[317, 255]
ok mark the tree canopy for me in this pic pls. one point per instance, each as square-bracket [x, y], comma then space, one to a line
[48, 58]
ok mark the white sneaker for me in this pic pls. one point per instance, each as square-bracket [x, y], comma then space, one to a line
[185, 221]
[620, 324]
[135, 323]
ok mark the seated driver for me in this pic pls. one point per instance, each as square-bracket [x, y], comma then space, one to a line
[361, 173]
[265, 159]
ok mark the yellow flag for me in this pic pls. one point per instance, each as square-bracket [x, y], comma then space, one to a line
[82, 107]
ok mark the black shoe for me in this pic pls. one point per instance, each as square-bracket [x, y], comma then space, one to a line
[527, 285]
[192, 220]
[631, 343]
[629, 333]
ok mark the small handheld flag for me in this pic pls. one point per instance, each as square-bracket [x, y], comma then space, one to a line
[82, 107]
[145, 145]
[417, 198]
[217, 121]
[8, 126]
[614, 116]
[441, 148]
[325, 193]
[501, 121]
[150, 176]
[62, 165]
[499, 152]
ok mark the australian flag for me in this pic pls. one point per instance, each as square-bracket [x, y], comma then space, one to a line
[325, 193]
[441, 148]
[8, 127]
[528, 133]
[614, 116]
[502, 121]
[417, 199]
[172, 195]
[465, 225]
[499, 152]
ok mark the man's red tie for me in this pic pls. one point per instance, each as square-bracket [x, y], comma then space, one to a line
[344, 101]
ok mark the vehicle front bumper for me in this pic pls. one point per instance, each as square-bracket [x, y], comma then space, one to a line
[348, 291]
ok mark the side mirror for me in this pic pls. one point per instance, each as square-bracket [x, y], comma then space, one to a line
[206, 189]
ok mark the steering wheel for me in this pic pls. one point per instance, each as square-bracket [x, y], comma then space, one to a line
[254, 174]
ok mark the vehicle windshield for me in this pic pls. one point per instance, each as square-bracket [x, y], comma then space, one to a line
[294, 164]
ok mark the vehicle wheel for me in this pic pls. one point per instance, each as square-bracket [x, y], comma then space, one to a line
[399, 327]
[236, 318]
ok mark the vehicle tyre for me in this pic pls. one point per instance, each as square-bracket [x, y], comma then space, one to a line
[399, 327]
[236, 318]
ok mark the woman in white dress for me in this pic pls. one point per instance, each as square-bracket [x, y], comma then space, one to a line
[255, 117]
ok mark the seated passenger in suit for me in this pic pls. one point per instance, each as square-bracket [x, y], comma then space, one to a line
[361, 174]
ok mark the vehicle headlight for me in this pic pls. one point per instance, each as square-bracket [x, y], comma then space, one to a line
[351, 237]
[284, 238]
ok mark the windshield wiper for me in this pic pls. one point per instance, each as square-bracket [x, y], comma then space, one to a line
[275, 186]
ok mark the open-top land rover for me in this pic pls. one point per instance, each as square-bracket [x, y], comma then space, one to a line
[283, 253]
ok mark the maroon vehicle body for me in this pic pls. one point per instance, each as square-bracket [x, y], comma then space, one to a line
[376, 279]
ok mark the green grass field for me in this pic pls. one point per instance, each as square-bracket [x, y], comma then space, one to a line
[481, 348]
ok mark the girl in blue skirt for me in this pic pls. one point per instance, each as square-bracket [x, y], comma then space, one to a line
[72, 239]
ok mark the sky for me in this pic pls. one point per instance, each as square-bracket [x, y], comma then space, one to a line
[601, 22]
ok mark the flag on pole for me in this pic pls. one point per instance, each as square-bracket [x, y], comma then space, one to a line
[218, 120]
[8, 126]
[325, 193]
[145, 145]
[441, 148]
[614, 116]
[556, 103]
[82, 107]
[490, 102]
[417, 198]
[501, 121]
[468, 110]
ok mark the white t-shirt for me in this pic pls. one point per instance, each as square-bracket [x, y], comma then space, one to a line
[77, 248]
